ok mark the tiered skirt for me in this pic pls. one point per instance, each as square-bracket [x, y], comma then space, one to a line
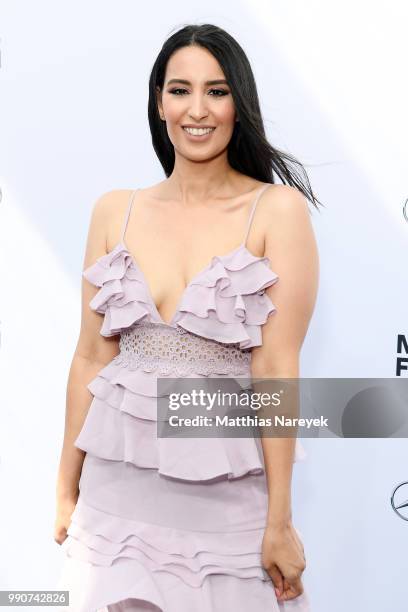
[165, 524]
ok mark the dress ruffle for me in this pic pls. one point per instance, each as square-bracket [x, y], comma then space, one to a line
[123, 297]
[226, 302]
[130, 560]
[121, 425]
[99, 538]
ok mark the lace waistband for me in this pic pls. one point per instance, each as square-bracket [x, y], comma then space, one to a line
[173, 350]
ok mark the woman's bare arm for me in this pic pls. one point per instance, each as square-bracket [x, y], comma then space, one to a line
[291, 247]
[92, 353]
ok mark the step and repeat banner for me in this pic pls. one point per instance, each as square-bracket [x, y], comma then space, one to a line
[74, 80]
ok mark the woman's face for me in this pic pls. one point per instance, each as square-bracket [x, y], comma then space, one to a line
[195, 95]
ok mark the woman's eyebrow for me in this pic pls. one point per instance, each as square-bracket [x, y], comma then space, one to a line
[214, 82]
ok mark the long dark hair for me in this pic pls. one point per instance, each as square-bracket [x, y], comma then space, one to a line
[249, 151]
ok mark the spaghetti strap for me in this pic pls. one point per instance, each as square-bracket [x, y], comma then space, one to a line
[260, 192]
[126, 219]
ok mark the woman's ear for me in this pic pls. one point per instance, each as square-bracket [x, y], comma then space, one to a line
[159, 103]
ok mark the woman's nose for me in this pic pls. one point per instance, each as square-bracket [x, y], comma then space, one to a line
[198, 108]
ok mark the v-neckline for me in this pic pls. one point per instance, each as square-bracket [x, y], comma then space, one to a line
[195, 277]
[242, 246]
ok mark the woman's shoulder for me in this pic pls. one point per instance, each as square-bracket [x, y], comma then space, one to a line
[110, 209]
[115, 201]
[281, 202]
[107, 214]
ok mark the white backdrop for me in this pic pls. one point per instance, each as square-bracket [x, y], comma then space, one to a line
[74, 86]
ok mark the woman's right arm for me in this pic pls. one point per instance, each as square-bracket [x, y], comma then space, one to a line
[93, 351]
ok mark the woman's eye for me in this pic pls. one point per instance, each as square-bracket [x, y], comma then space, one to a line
[220, 91]
[174, 91]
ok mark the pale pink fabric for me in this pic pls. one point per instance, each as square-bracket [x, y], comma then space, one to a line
[170, 524]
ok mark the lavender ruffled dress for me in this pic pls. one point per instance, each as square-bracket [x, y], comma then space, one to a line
[170, 524]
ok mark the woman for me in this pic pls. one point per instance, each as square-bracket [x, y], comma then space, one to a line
[194, 524]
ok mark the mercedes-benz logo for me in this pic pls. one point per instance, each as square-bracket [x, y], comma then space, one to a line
[399, 500]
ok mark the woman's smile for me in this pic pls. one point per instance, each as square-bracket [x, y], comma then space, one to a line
[198, 134]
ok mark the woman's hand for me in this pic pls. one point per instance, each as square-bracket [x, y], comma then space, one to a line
[65, 507]
[284, 560]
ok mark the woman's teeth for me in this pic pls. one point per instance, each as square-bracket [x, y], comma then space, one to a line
[198, 131]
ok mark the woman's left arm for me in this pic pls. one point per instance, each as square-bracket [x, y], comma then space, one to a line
[291, 248]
